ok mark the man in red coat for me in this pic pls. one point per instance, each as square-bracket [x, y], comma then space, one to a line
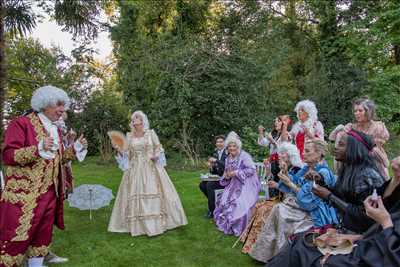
[32, 200]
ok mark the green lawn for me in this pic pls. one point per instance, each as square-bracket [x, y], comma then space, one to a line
[87, 243]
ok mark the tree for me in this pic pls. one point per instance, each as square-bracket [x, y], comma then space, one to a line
[17, 17]
[372, 42]
[25, 74]
[104, 111]
[78, 75]
[204, 67]
[196, 72]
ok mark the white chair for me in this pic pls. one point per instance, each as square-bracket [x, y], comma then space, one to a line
[261, 173]
[217, 193]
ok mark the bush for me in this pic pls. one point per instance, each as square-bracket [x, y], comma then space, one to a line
[103, 112]
[249, 142]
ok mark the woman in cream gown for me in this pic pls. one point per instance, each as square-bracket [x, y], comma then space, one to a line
[147, 202]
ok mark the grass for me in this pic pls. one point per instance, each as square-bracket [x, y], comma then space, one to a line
[88, 244]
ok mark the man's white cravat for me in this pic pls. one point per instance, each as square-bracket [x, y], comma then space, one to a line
[52, 131]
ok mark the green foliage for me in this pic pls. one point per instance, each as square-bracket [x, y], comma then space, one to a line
[200, 85]
[333, 85]
[76, 75]
[75, 16]
[202, 68]
[212, 67]
[204, 84]
[103, 112]
[249, 142]
[25, 74]
[385, 88]
[372, 42]
[19, 18]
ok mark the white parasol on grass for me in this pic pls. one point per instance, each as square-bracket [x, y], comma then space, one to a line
[90, 197]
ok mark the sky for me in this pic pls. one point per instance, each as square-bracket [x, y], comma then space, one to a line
[49, 33]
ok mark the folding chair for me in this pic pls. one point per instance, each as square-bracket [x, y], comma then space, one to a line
[261, 173]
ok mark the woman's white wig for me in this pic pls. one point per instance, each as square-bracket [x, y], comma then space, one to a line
[145, 120]
[233, 138]
[309, 107]
[293, 153]
[49, 96]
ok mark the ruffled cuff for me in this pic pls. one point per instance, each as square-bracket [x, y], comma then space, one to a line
[123, 161]
[43, 153]
[80, 151]
[162, 160]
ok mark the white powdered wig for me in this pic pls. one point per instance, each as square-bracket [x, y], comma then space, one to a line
[145, 120]
[336, 133]
[233, 138]
[293, 153]
[49, 96]
[309, 107]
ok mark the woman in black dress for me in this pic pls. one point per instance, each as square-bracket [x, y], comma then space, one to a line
[379, 246]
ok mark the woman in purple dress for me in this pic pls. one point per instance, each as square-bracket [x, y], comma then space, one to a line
[233, 207]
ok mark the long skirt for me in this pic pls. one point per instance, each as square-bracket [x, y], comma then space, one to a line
[147, 202]
[260, 214]
[285, 219]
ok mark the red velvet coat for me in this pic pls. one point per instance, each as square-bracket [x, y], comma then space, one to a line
[28, 176]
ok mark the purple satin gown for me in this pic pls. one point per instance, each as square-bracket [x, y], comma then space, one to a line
[233, 207]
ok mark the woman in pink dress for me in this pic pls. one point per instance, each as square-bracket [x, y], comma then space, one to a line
[364, 111]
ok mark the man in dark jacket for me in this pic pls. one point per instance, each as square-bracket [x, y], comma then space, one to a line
[216, 164]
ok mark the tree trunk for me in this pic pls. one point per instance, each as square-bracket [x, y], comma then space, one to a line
[396, 49]
[3, 73]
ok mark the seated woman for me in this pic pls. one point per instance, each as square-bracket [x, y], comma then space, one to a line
[290, 157]
[357, 179]
[378, 247]
[301, 212]
[233, 207]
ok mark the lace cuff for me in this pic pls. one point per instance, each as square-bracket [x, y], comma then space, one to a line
[80, 151]
[123, 161]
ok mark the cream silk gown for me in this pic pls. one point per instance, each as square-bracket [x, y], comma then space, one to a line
[147, 202]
